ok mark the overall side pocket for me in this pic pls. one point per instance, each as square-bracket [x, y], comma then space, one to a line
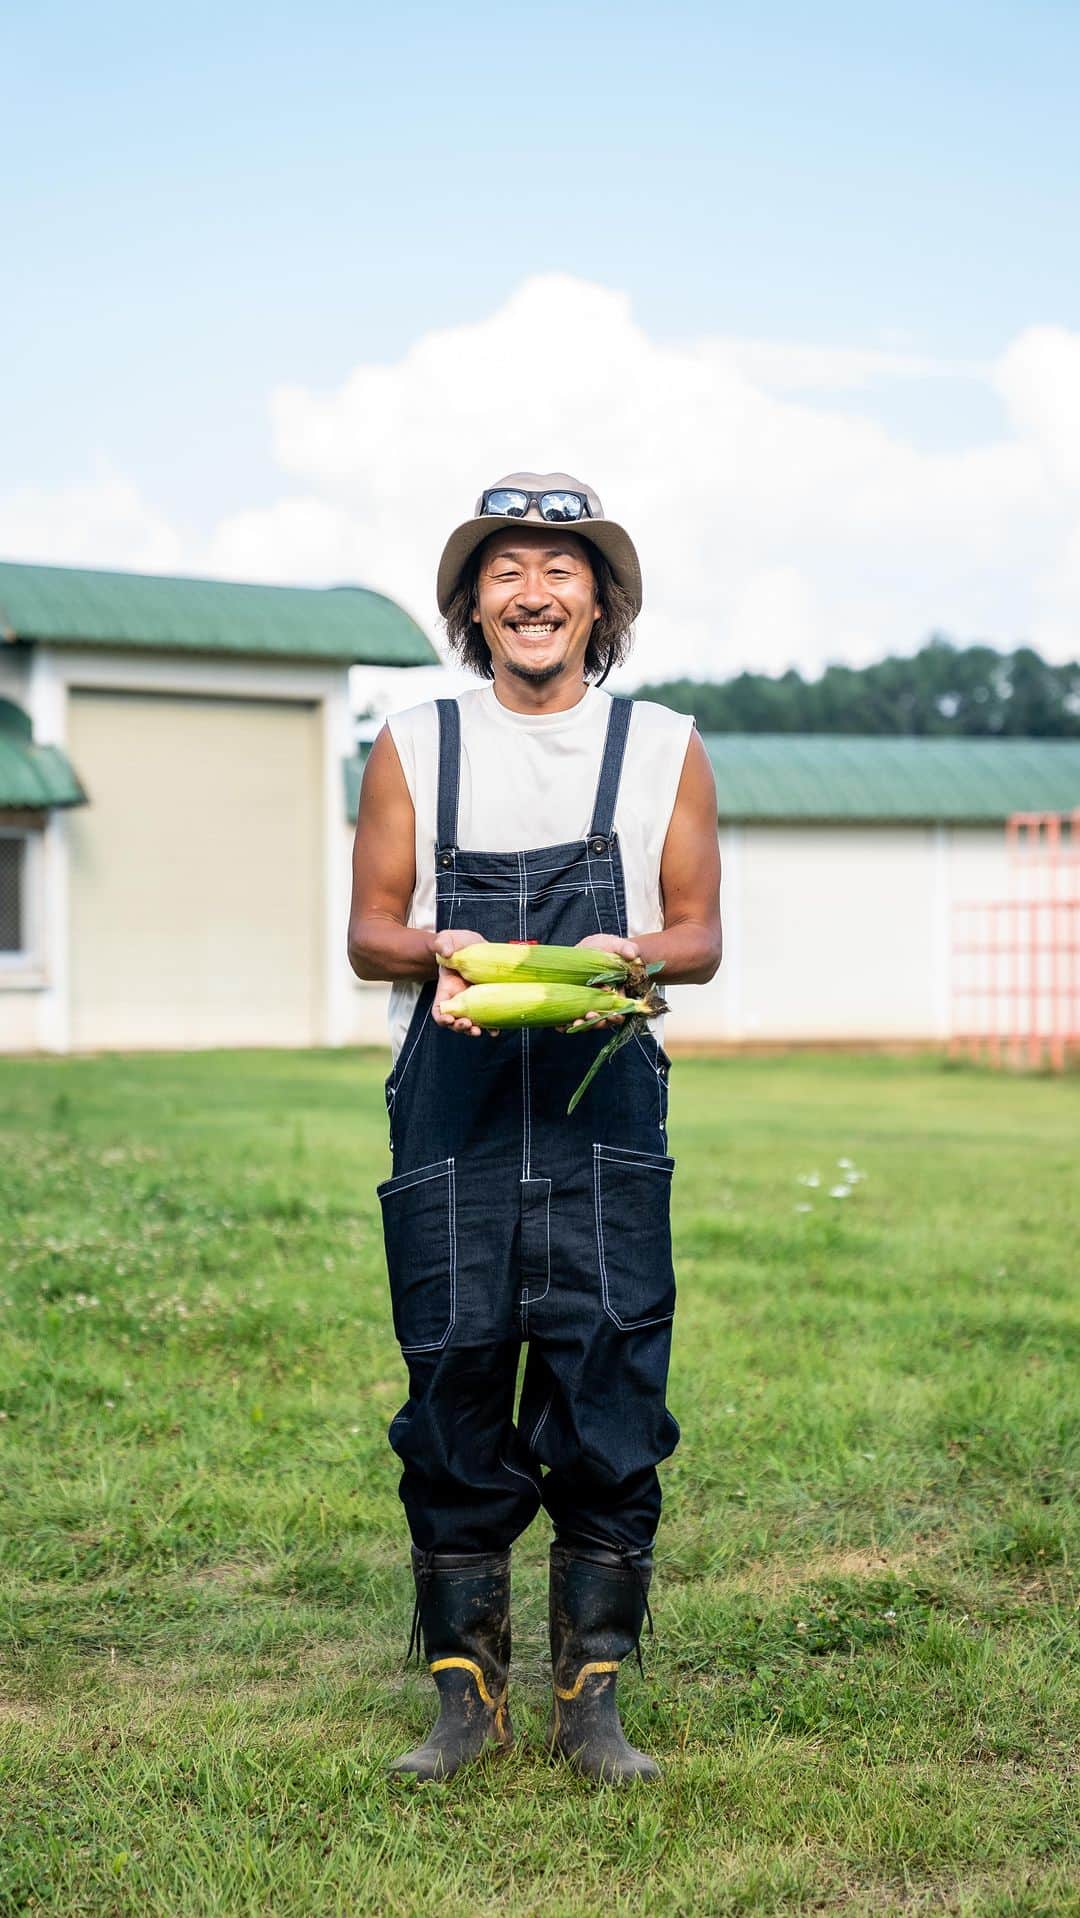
[420, 1233]
[632, 1199]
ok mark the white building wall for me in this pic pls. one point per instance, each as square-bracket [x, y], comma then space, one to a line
[839, 932]
[369, 1023]
[35, 1005]
[367, 1001]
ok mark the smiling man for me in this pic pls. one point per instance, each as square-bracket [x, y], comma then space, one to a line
[534, 808]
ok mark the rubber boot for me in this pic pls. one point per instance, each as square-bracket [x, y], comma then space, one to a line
[598, 1601]
[463, 1614]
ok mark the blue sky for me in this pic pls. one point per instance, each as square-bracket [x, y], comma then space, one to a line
[203, 206]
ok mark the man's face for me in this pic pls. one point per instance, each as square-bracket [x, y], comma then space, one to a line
[536, 601]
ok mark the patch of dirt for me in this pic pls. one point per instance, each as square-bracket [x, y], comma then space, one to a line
[939, 1894]
[231, 1572]
[171, 1680]
[18, 1711]
[767, 1575]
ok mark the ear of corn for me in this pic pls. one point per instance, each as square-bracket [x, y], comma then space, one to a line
[536, 1004]
[489, 963]
[520, 986]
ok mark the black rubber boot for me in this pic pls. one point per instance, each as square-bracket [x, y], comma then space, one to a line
[598, 1602]
[463, 1614]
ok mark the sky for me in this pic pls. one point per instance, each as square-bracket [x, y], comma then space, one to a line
[797, 290]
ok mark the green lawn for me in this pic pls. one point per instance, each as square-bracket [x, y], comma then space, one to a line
[865, 1681]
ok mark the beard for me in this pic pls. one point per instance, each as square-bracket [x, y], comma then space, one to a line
[536, 675]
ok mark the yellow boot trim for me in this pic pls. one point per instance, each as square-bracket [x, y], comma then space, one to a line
[598, 1665]
[470, 1665]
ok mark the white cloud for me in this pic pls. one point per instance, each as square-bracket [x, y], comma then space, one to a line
[785, 366]
[775, 620]
[1039, 379]
[297, 542]
[773, 528]
[105, 523]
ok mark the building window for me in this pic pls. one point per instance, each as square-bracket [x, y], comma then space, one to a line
[13, 934]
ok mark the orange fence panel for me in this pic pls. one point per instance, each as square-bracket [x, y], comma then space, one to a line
[1016, 960]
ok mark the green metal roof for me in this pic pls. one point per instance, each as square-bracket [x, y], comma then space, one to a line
[32, 776]
[346, 624]
[827, 776]
[834, 777]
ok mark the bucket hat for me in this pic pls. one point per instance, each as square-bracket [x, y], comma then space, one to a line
[605, 534]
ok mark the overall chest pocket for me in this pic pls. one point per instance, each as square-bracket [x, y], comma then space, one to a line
[632, 1199]
[420, 1233]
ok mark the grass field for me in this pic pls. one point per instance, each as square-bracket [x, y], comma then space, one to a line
[865, 1681]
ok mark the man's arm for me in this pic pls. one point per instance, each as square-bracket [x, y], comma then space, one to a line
[692, 942]
[380, 944]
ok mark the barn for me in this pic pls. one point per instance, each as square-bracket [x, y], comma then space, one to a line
[174, 870]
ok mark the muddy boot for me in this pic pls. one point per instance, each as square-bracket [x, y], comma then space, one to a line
[598, 1600]
[463, 1613]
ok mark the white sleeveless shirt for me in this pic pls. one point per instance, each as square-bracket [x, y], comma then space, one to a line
[529, 779]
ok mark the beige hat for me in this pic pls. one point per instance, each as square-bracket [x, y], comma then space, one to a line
[610, 539]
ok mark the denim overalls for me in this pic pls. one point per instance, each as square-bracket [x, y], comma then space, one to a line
[507, 1222]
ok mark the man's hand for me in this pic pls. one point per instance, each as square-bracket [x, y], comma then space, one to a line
[450, 983]
[610, 942]
[603, 942]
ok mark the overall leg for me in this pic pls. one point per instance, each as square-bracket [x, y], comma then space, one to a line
[466, 1502]
[606, 1432]
[601, 1427]
[463, 1484]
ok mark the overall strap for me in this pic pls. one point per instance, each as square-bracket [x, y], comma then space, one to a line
[607, 790]
[449, 773]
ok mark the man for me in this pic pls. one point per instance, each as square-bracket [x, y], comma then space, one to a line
[534, 808]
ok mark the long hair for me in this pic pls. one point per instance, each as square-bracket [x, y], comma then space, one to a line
[609, 643]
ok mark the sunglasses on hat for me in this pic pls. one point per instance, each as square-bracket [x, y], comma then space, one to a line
[511, 502]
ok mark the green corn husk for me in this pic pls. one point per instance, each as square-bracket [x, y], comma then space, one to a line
[488, 963]
[626, 1031]
[505, 1007]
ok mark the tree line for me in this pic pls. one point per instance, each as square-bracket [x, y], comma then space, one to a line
[973, 691]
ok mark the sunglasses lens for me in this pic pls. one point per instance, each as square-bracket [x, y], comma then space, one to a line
[506, 502]
[561, 507]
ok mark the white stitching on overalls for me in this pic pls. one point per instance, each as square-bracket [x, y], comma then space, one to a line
[436, 1345]
[453, 891]
[453, 1249]
[540, 1423]
[398, 1077]
[592, 886]
[633, 1155]
[419, 1175]
[526, 1088]
[545, 892]
[640, 1047]
[505, 1463]
[527, 1055]
[624, 1325]
[659, 1084]
[533, 1298]
[619, 920]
